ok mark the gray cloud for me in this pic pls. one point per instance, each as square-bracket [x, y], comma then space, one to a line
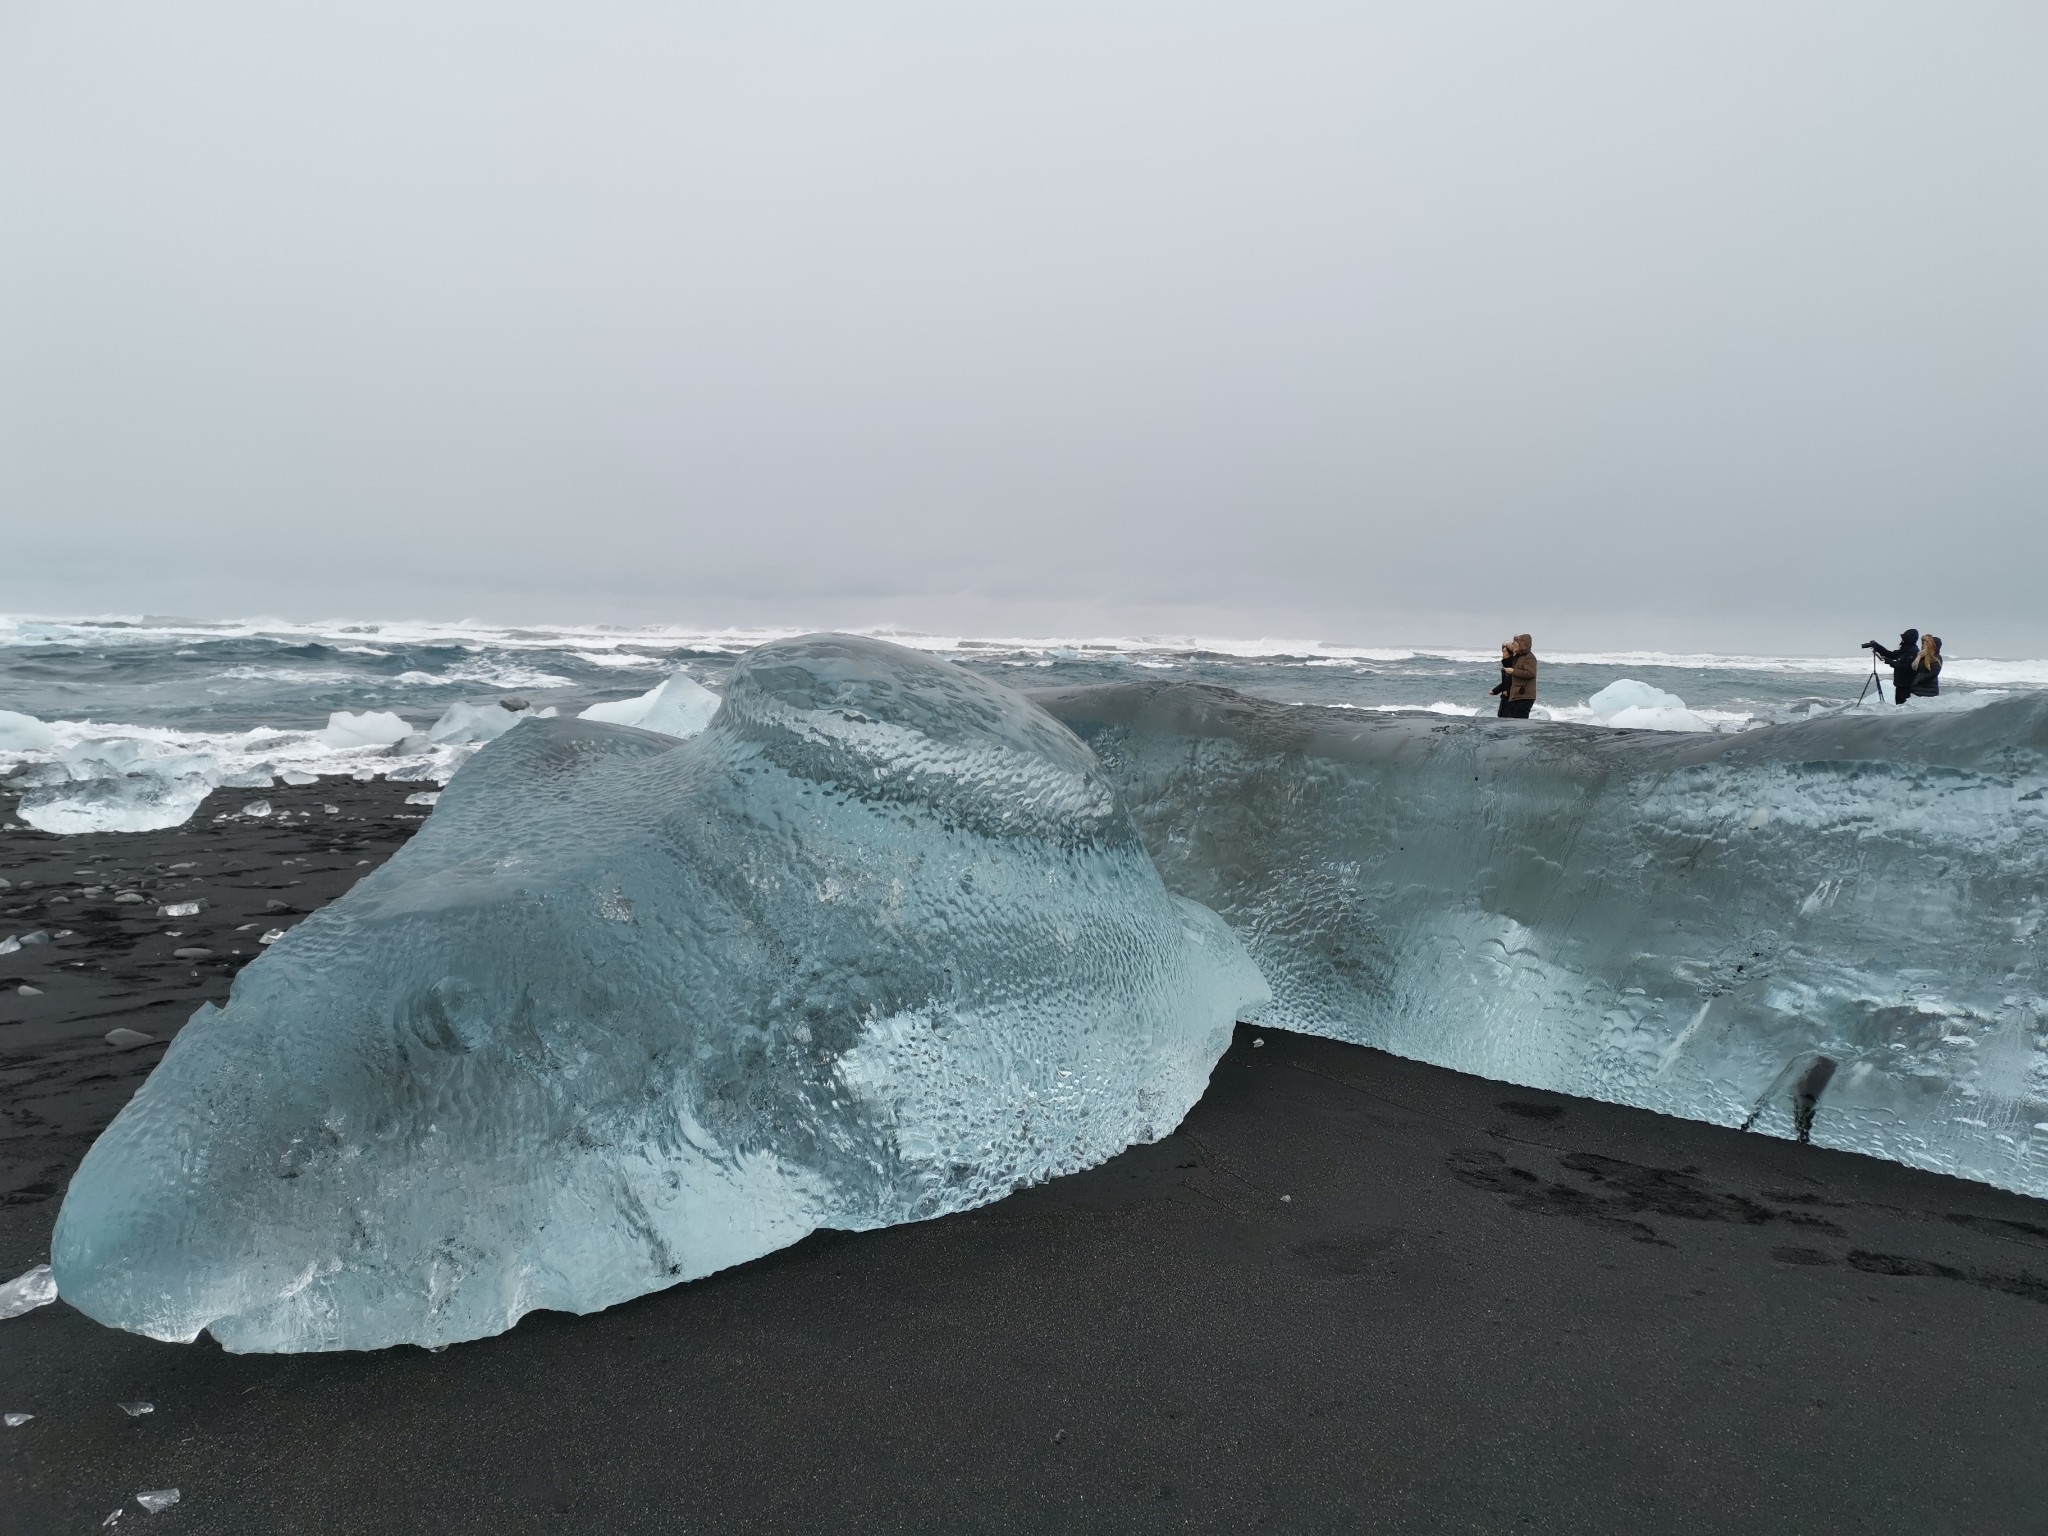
[1716, 326]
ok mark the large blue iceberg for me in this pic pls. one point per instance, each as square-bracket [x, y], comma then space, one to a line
[1690, 924]
[880, 943]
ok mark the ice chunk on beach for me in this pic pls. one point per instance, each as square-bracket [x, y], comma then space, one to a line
[372, 728]
[880, 943]
[120, 784]
[464, 723]
[1630, 705]
[157, 1500]
[24, 733]
[1664, 921]
[26, 1291]
[681, 706]
[1627, 693]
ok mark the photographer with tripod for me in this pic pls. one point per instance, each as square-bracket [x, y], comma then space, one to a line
[1916, 665]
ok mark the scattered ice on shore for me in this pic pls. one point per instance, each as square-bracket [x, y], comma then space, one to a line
[423, 797]
[16, 1420]
[136, 1409]
[83, 777]
[178, 909]
[158, 1500]
[257, 809]
[880, 943]
[128, 1039]
[32, 1288]
[679, 706]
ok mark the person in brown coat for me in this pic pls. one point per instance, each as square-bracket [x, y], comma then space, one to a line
[1521, 679]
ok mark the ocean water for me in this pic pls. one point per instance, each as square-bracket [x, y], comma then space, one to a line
[251, 692]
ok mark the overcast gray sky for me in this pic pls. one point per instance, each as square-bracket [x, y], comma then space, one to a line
[1718, 325]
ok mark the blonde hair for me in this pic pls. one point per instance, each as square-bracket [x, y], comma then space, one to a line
[1930, 652]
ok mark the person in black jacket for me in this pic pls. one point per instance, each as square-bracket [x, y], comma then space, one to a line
[1900, 661]
[1927, 668]
[1507, 678]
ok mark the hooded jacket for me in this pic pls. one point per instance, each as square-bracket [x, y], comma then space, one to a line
[1901, 662]
[1522, 670]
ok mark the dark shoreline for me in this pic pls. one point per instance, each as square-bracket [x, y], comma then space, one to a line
[1352, 1292]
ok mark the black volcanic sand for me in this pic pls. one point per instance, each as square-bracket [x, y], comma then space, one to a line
[1351, 1293]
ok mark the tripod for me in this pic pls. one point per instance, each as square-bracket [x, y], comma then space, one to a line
[1873, 678]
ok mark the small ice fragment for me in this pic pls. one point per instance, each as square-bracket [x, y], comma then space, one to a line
[179, 909]
[9, 945]
[26, 1291]
[130, 898]
[423, 797]
[467, 723]
[136, 1409]
[127, 1039]
[271, 936]
[332, 810]
[1287, 1199]
[258, 808]
[361, 862]
[372, 728]
[38, 937]
[16, 1420]
[293, 776]
[116, 1515]
[64, 933]
[192, 952]
[680, 706]
[24, 733]
[1256, 1043]
[28, 991]
[158, 1500]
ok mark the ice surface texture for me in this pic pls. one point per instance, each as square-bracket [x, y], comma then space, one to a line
[1657, 920]
[879, 944]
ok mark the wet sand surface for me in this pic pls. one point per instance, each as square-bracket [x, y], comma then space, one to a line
[1351, 1293]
